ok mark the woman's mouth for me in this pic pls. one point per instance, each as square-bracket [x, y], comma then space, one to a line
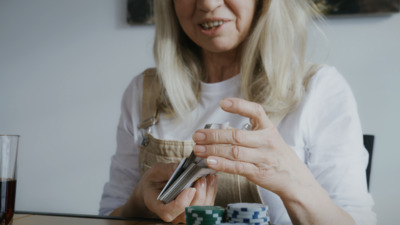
[211, 24]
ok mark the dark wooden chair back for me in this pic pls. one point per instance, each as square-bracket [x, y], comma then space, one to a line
[369, 145]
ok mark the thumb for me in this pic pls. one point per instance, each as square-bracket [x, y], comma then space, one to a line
[183, 199]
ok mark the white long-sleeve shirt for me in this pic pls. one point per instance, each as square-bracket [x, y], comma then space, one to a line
[324, 130]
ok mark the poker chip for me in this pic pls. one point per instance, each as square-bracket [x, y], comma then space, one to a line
[204, 215]
[236, 214]
[247, 207]
[233, 224]
[247, 213]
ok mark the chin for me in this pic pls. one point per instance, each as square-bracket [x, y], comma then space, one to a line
[221, 48]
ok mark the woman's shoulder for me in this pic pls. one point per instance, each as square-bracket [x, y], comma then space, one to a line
[150, 72]
[327, 79]
[133, 92]
[328, 89]
[136, 83]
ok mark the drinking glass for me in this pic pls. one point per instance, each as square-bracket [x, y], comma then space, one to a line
[8, 180]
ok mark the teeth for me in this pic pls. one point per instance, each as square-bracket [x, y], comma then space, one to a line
[211, 25]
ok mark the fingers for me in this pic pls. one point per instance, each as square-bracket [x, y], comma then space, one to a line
[212, 181]
[179, 219]
[201, 192]
[258, 119]
[251, 110]
[169, 212]
[245, 169]
[231, 152]
[229, 136]
[206, 190]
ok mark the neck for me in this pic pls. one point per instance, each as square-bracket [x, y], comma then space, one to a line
[221, 66]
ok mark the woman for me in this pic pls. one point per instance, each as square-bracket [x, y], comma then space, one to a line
[240, 62]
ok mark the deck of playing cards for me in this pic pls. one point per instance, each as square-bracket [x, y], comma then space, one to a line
[188, 171]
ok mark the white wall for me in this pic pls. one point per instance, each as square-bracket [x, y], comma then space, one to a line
[64, 66]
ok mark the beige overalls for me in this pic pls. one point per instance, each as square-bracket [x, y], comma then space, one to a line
[231, 188]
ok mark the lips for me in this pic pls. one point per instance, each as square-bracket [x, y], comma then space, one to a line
[211, 24]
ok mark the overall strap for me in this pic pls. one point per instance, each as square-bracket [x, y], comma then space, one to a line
[150, 93]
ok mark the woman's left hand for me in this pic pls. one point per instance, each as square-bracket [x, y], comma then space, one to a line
[261, 155]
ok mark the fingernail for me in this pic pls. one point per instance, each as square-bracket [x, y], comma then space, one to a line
[203, 182]
[192, 192]
[213, 177]
[211, 161]
[198, 136]
[226, 103]
[199, 149]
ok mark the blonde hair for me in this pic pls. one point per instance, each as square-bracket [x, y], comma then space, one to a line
[273, 68]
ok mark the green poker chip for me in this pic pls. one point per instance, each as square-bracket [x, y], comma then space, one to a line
[204, 209]
[204, 215]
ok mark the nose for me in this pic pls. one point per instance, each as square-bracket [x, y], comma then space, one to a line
[209, 5]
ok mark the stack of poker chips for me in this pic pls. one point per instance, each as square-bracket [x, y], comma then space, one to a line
[247, 213]
[204, 215]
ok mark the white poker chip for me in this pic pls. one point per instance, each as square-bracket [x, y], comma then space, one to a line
[244, 220]
[248, 216]
[247, 213]
[247, 207]
[233, 223]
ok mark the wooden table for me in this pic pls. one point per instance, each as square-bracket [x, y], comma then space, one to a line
[67, 219]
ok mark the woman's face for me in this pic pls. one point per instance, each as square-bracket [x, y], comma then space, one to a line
[216, 25]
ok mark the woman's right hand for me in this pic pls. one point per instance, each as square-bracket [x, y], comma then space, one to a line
[143, 202]
[206, 191]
